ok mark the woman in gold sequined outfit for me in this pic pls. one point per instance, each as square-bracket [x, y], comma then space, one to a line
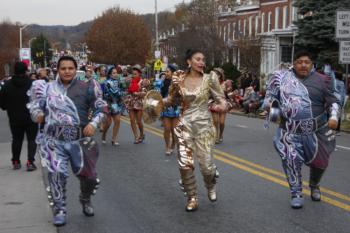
[195, 130]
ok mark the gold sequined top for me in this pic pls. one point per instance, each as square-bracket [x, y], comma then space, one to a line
[195, 114]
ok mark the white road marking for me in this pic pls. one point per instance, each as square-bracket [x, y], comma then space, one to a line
[343, 147]
[242, 126]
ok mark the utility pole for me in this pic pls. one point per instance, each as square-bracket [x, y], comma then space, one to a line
[20, 35]
[45, 64]
[156, 18]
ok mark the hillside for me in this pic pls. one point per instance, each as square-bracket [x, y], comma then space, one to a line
[60, 36]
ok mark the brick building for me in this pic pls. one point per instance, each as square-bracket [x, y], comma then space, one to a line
[269, 20]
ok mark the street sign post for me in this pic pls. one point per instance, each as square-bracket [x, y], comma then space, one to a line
[343, 24]
[344, 52]
[157, 54]
[24, 54]
[158, 65]
[342, 33]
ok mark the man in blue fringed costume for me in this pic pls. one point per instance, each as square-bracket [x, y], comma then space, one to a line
[302, 102]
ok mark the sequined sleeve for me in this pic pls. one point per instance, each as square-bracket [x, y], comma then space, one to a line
[273, 89]
[215, 89]
[332, 102]
[97, 104]
[37, 95]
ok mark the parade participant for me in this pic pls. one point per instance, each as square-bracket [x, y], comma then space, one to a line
[42, 75]
[195, 130]
[13, 99]
[113, 93]
[219, 117]
[158, 82]
[340, 93]
[308, 112]
[170, 115]
[89, 71]
[63, 107]
[137, 90]
[32, 76]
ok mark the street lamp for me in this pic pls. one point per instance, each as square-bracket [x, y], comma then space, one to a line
[20, 34]
[30, 42]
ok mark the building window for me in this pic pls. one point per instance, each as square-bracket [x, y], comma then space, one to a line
[294, 14]
[244, 26]
[233, 31]
[256, 25]
[277, 12]
[262, 22]
[239, 26]
[285, 17]
[225, 33]
[250, 25]
[269, 22]
[228, 30]
[286, 54]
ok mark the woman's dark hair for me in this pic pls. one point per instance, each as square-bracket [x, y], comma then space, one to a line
[190, 53]
[110, 71]
[67, 58]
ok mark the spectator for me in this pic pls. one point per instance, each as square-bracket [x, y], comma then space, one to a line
[250, 100]
[32, 76]
[13, 99]
[42, 75]
[255, 83]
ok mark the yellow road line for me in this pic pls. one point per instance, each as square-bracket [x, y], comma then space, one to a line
[280, 182]
[227, 158]
[265, 169]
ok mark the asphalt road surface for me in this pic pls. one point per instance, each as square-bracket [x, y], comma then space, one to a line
[139, 190]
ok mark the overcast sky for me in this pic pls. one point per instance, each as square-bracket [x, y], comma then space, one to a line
[71, 12]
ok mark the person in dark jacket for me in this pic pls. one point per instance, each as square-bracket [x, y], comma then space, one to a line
[13, 99]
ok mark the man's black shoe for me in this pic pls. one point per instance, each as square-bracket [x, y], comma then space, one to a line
[31, 166]
[16, 165]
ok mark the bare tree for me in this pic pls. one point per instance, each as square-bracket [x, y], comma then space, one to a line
[200, 19]
[9, 44]
[250, 55]
[119, 37]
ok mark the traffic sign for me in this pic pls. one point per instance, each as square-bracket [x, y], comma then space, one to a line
[344, 52]
[24, 54]
[157, 54]
[343, 24]
[158, 65]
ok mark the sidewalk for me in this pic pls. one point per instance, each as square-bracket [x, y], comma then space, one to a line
[23, 202]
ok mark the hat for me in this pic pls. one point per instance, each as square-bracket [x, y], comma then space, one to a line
[20, 68]
[137, 67]
[220, 71]
[172, 67]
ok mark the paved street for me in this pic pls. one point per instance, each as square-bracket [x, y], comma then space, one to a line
[139, 190]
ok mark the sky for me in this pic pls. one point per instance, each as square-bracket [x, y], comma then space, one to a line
[71, 12]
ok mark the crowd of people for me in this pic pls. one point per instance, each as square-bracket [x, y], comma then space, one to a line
[60, 113]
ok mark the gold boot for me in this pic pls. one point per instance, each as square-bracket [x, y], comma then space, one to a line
[192, 204]
[210, 181]
[189, 184]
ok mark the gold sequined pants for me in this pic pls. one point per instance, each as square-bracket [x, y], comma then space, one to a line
[196, 144]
